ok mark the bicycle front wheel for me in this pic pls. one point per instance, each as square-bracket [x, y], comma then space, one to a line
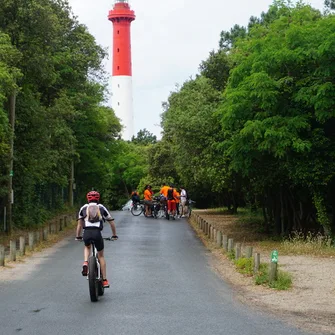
[137, 210]
[92, 278]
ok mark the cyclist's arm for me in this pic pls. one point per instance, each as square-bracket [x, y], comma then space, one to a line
[107, 217]
[112, 224]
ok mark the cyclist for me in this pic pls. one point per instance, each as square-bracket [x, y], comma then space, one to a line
[163, 196]
[164, 189]
[91, 217]
[135, 196]
[148, 200]
[171, 201]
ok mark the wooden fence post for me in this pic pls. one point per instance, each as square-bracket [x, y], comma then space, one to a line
[37, 237]
[45, 233]
[238, 250]
[230, 244]
[225, 243]
[257, 262]
[219, 239]
[248, 252]
[31, 240]
[273, 272]
[12, 250]
[53, 228]
[2, 255]
[22, 245]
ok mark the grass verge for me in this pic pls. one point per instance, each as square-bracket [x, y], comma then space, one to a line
[51, 240]
[245, 266]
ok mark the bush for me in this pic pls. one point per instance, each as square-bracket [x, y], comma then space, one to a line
[245, 265]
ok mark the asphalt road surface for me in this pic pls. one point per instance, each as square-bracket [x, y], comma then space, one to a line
[161, 283]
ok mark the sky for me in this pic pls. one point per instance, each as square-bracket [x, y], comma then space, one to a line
[169, 40]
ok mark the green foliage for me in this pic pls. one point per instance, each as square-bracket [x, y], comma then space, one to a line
[126, 170]
[231, 254]
[144, 137]
[216, 68]
[283, 281]
[57, 68]
[245, 265]
[262, 276]
[321, 212]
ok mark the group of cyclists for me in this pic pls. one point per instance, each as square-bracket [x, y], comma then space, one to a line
[175, 200]
[93, 214]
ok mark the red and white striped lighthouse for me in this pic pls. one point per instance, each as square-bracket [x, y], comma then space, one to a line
[122, 94]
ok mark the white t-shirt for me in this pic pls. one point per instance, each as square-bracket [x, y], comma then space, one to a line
[183, 195]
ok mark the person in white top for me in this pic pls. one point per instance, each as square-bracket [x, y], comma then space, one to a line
[91, 217]
[183, 202]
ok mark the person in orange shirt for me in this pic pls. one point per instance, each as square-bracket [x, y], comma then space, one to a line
[171, 201]
[148, 200]
[164, 190]
[163, 193]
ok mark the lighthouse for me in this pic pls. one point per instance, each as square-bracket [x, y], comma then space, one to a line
[122, 93]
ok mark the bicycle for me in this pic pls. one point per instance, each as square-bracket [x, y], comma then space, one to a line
[137, 208]
[94, 274]
[190, 206]
[156, 208]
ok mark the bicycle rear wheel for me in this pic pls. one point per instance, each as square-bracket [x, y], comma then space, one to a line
[137, 210]
[92, 278]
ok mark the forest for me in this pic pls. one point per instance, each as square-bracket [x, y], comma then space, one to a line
[255, 128]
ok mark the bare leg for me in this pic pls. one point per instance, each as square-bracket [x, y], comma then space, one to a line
[102, 263]
[86, 253]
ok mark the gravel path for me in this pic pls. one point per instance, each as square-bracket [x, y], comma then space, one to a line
[309, 304]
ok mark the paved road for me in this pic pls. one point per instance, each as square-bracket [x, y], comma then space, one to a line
[161, 283]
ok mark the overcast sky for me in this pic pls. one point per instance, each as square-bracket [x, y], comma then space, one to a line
[169, 40]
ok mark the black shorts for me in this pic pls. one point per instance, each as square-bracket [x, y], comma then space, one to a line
[93, 234]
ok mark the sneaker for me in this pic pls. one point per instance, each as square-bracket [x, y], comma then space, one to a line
[105, 283]
[78, 238]
[85, 269]
[183, 216]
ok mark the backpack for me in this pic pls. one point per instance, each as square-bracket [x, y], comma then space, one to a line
[93, 213]
[170, 194]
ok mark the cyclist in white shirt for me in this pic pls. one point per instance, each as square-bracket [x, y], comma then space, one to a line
[183, 201]
[91, 217]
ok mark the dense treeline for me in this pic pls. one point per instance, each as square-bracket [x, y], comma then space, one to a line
[257, 126]
[53, 66]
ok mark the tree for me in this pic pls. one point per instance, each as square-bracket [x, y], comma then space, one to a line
[278, 112]
[60, 117]
[216, 68]
[144, 137]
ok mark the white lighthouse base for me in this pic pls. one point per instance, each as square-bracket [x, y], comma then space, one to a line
[122, 104]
